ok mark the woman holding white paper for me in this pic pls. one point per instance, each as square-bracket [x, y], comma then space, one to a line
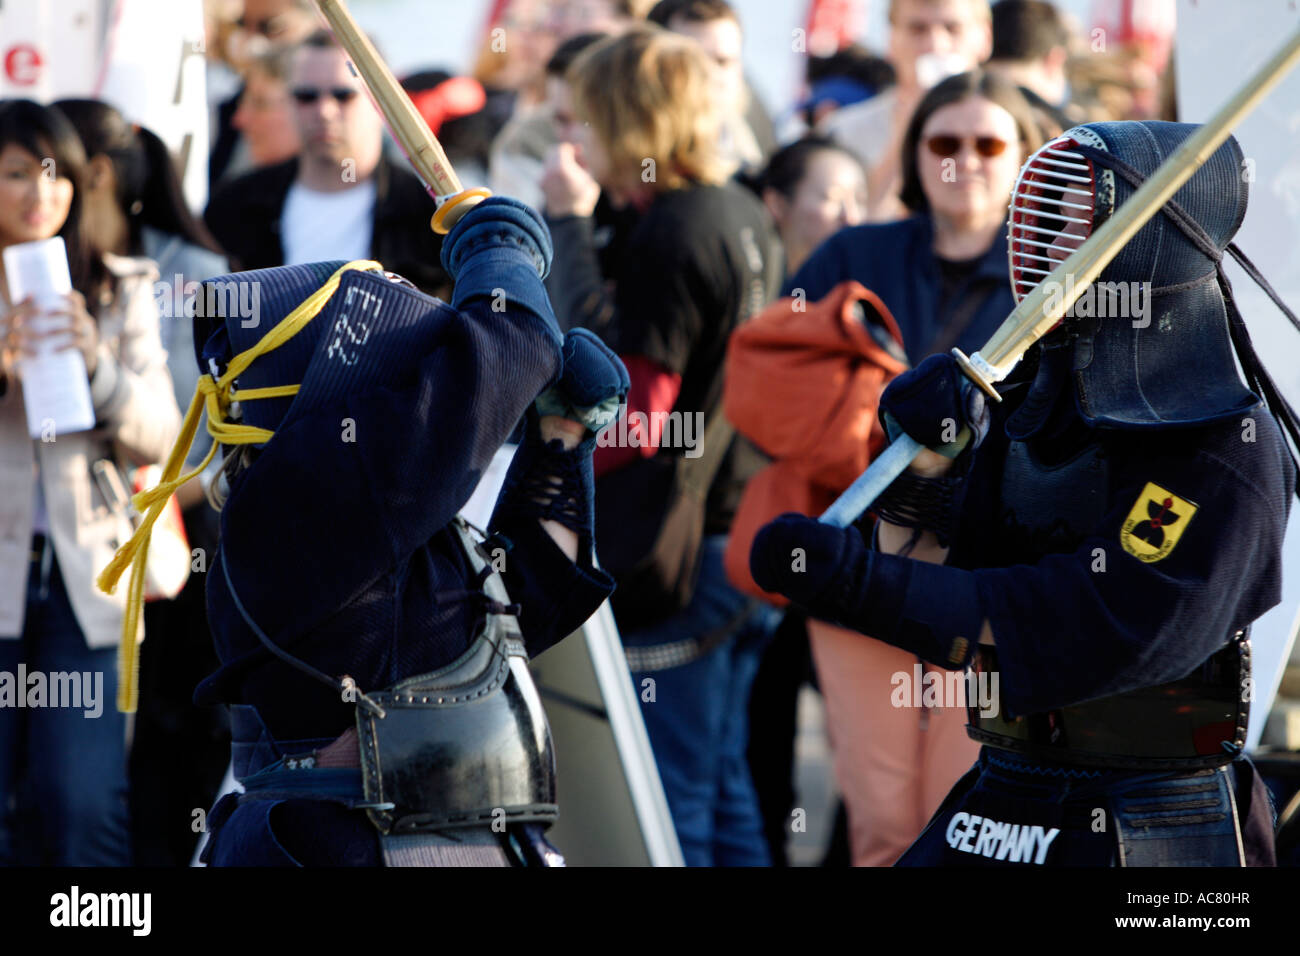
[134, 206]
[62, 742]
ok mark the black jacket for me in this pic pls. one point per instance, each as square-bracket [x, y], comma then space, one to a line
[244, 215]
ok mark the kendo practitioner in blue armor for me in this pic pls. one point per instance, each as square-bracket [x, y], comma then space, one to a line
[1101, 539]
[373, 648]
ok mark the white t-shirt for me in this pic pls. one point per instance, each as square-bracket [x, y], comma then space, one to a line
[316, 226]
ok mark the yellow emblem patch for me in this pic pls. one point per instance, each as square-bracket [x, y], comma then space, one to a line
[1155, 524]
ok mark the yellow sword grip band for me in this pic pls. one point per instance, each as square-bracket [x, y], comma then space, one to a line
[439, 222]
[215, 398]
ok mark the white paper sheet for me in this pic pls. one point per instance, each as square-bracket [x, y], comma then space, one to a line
[56, 391]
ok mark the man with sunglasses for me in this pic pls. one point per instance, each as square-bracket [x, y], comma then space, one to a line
[341, 197]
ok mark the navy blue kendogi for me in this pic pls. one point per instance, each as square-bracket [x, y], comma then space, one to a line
[373, 648]
[1115, 524]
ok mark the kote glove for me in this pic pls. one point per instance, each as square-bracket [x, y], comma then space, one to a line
[930, 610]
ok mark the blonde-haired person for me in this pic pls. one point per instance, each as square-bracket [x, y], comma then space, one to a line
[747, 133]
[693, 260]
[525, 81]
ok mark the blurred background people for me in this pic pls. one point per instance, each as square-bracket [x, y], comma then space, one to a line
[261, 27]
[341, 197]
[134, 206]
[63, 769]
[523, 142]
[928, 40]
[943, 275]
[515, 48]
[264, 114]
[1031, 48]
[843, 78]
[528, 142]
[747, 134]
[454, 108]
[696, 263]
[1136, 42]
[812, 188]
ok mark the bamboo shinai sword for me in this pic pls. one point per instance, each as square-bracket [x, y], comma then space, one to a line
[404, 120]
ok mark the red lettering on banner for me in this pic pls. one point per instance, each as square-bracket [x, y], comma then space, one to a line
[23, 64]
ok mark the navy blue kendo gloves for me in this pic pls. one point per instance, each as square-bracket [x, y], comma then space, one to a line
[591, 388]
[931, 610]
[501, 246]
[496, 221]
[935, 404]
[546, 480]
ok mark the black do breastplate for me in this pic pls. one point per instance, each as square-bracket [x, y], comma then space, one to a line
[1051, 509]
[1054, 494]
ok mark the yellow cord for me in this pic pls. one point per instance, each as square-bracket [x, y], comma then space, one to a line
[215, 397]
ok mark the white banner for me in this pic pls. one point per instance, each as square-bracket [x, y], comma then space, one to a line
[49, 47]
[154, 72]
[145, 57]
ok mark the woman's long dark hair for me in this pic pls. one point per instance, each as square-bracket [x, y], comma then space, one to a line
[148, 188]
[46, 133]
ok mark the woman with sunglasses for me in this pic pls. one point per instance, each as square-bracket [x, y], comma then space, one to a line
[942, 274]
[67, 764]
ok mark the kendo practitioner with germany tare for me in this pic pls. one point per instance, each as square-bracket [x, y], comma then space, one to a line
[373, 648]
[1101, 539]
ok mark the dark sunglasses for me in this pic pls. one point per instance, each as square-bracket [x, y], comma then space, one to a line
[306, 95]
[986, 146]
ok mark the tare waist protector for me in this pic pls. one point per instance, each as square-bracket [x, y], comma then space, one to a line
[466, 745]
[1197, 721]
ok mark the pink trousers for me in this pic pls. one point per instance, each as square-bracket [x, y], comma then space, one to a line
[895, 758]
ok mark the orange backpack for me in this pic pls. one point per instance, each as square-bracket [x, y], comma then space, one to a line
[803, 384]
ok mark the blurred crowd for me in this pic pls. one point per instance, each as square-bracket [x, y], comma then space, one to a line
[679, 208]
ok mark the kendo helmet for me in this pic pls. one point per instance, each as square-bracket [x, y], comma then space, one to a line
[299, 336]
[1152, 340]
